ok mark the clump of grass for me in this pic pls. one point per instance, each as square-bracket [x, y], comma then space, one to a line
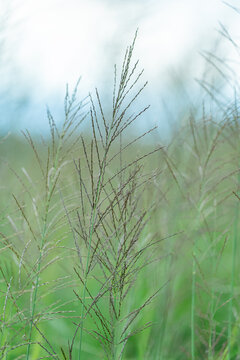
[203, 178]
[50, 176]
[82, 250]
[106, 218]
[37, 229]
[110, 220]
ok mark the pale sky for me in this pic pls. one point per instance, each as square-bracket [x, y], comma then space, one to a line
[49, 43]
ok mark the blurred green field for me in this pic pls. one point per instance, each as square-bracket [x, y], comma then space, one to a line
[120, 247]
[196, 215]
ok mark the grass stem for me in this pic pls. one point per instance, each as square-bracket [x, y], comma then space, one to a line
[193, 305]
[234, 254]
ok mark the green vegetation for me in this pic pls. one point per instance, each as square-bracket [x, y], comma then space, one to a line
[113, 248]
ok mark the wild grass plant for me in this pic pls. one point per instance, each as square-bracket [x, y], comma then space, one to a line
[112, 248]
[97, 227]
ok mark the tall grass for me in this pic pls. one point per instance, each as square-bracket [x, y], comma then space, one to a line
[111, 242]
[113, 248]
[106, 218]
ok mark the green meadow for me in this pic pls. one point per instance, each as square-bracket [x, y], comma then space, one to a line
[115, 246]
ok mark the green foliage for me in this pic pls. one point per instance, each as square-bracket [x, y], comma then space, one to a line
[112, 250]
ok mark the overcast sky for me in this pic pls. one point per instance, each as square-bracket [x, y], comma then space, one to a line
[49, 43]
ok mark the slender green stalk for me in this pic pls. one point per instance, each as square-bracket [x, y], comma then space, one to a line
[210, 352]
[214, 269]
[3, 319]
[167, 295]
[36, 290]
[234, 254]
[193, 305]
[115, 352]
[193, 291]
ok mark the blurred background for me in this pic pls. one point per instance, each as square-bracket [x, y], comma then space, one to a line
[44, 45]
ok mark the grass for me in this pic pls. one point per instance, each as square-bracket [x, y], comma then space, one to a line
[113, 248]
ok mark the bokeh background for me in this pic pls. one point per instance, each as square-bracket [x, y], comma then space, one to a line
[190, 52]
[44, 45]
